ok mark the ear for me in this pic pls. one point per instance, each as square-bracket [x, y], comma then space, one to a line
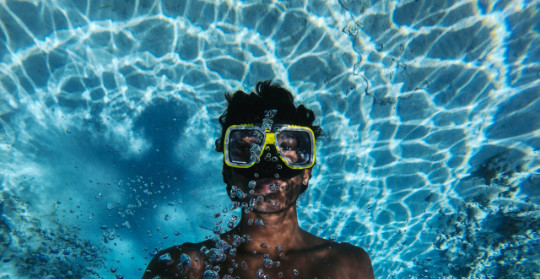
[306, 176]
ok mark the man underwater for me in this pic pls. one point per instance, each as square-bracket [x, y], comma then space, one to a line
[269, 150]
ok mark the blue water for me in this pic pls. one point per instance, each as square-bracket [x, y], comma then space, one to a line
[431, 112]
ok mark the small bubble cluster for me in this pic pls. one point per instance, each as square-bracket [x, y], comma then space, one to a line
[254, 151]
[268, 119]
[185, 263]
[267, 262]
[108, 235]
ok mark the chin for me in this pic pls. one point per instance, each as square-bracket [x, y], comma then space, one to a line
[269, 209]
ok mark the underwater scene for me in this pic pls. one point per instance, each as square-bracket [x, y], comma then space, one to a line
[430, 111]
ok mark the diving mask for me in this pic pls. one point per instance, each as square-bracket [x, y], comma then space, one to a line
[245, 144]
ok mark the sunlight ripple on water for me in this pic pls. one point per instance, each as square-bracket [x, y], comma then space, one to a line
[429, 159]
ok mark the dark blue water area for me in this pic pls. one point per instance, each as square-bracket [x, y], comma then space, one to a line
[430, 110]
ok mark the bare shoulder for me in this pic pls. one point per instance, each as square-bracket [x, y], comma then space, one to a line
[353, 259]
[180, 261]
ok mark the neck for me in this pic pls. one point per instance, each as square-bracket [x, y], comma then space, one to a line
[279, 229]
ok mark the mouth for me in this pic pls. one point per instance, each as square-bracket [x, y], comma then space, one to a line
[268, 186]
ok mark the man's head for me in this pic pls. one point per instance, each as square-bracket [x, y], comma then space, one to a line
[269, 108]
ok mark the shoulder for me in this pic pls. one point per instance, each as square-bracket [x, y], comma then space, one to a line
[180, 261]
[352, 258]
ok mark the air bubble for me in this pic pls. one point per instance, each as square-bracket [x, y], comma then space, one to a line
[259, 223]
[241, 194]
[252, 202]
[237, 240]
[267, 262]
[166, 258]
[216, 255]
[295, 272]
[270, 113]
[233, 192]
[235, 205]
[276, 175]
[252, 184]
[108, 235]
[185, 263]
[260, 273]
[203, 249]
[210, 274]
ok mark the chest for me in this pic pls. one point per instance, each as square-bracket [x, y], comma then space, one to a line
[296, 265]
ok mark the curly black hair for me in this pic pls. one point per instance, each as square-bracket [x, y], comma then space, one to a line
[246, 108]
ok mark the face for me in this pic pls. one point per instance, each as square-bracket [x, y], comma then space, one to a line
[264, 169]
[267, 194]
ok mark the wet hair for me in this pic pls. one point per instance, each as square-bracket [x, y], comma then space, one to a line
[243, 108]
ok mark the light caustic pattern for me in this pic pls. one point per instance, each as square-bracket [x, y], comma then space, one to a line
[430, 109]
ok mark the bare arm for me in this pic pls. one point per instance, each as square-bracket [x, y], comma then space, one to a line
[366, 268]
[357, 262]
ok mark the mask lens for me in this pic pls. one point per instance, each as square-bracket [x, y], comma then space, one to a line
[244, 146]
[296, 147]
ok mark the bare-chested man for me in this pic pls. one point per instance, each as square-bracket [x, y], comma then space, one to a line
[269, 150]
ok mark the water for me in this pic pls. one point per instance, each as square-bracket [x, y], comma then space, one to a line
[108, 116]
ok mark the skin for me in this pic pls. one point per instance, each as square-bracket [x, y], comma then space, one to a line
[294, 252]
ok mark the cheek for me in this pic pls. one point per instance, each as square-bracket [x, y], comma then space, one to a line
[294, 186]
